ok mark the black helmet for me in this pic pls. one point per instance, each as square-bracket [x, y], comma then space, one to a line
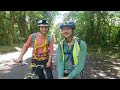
[68, 24]
[43, 23]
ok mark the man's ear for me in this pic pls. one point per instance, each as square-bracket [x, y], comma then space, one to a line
[60, 30]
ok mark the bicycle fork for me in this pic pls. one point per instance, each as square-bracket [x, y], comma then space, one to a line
[45, 74]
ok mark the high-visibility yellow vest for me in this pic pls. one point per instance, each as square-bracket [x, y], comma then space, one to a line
[76, 50]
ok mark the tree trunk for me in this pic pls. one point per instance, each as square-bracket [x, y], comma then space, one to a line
[22, 23]
[10, 32]
[3, 33]
[97, 33]
[118, 39]
[91, 31]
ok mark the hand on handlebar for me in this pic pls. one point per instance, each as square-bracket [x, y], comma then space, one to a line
[18, 61]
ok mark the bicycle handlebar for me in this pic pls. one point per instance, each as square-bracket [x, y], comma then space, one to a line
[23, 63]
[38, 66]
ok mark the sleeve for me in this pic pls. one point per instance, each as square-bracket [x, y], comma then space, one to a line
[82, 57]
[51, 49]
[29, 42]
[60, 63]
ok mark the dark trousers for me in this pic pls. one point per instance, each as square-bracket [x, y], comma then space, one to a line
[39, 71]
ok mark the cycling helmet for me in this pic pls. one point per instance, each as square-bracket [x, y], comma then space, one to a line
[68, 24]
[43, 23]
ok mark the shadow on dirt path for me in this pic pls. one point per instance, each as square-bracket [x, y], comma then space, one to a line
[102, 69]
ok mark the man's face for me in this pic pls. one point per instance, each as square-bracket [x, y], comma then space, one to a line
[44, 29]
[67, 32]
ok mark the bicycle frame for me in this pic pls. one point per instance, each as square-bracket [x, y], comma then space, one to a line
[33, 67]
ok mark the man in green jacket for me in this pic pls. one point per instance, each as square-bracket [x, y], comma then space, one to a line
[71, 53]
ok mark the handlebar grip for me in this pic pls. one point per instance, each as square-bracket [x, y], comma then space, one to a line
[20, 61]
[23, 63]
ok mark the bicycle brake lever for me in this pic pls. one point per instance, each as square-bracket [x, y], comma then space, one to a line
[23, 64]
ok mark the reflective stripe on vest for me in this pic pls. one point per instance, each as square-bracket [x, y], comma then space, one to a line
[76, 50]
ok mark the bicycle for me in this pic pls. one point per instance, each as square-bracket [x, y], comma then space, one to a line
[33, 67]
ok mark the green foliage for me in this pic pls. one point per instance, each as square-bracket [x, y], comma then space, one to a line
[16, 26]
[96, 27]
[5, 49]
[101, 28]
[57, 36]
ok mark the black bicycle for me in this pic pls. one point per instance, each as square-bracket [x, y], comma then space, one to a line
[33, 73]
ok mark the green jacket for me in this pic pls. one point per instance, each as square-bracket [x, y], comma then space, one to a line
[68, 65]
